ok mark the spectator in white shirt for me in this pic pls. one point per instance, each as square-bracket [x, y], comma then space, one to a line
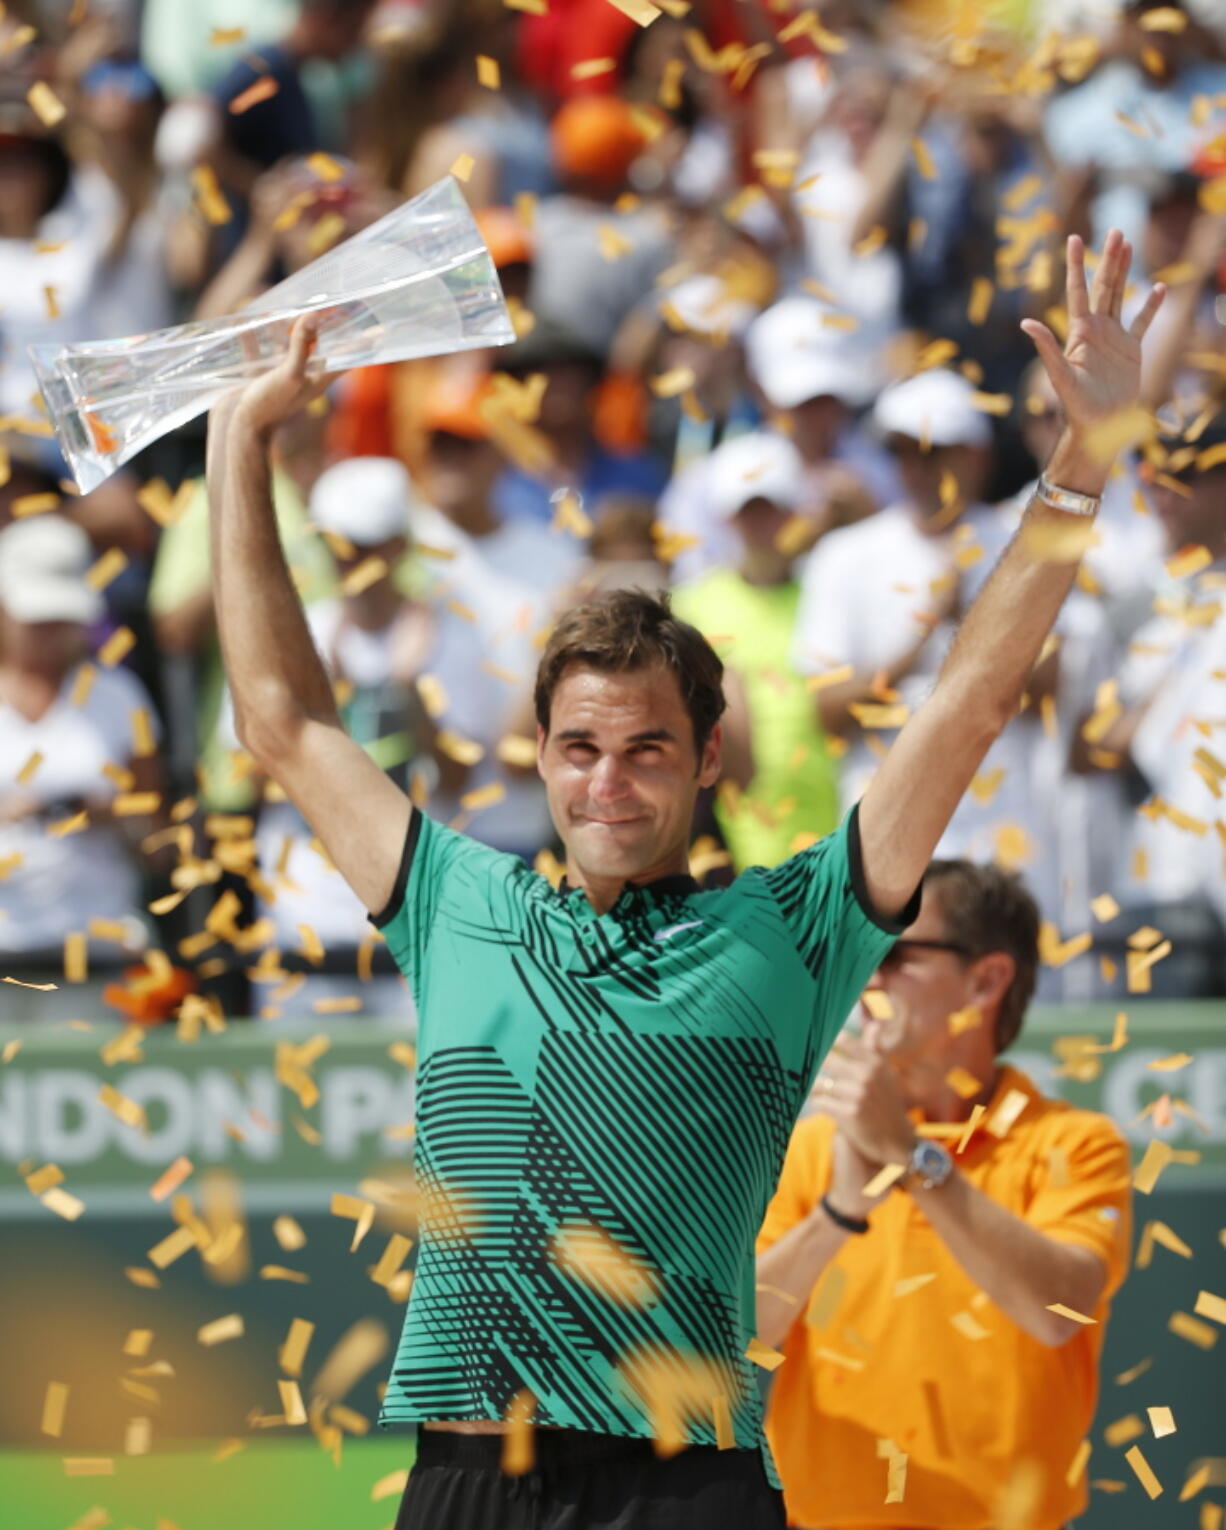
[879, 595]
[74, 736]
[1170, 706]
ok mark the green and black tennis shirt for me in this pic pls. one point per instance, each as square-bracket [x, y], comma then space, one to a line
[636, 1072]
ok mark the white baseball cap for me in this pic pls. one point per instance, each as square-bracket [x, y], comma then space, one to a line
[43, 562]
[794, 357]
[937, 407]
[754, 466]
[365, 499]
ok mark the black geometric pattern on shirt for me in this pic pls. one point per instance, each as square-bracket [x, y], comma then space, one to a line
[792, 883]
[598, 1143]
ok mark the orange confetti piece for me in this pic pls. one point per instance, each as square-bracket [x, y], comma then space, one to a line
[259, 90]
[171, 1179]
[489, 74]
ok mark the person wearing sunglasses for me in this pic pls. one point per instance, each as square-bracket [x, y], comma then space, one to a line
[936, 1222]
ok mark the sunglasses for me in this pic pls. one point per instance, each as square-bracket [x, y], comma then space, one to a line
[901, 948]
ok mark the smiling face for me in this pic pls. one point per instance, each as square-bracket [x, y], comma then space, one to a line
[622, 775]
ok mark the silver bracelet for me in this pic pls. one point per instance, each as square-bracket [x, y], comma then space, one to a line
[1067, 500]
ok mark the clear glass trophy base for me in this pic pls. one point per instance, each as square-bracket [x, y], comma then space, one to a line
[420, 282]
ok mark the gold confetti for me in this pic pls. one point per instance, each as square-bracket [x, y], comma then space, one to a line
[1156, 1157]
[1161, 1421]
[1069, 1312]
[291, 1402]
[120, 1106]
[136, 1345]
[963, 1083]
[980, 302]
[1104, 908]
[896, 1477]
[968, 1131]
[763, 1355]
[1054, 952]
[1077, 1466]
[463, 167]
[288, 1234]
[45, 104]
[76, 958]
[923, 163]
[172, 1247]
[117, 647]
[55, 1404]
[968, 1327]
[34, 504]
[590, 68]
[1123, 1379]
[1123, 1430]
[1210, 1306]
[212, 203]
[390, 1486]
[93, 1519]
[889, 1174]
[220, 1329]
[1159, 1233]
[62, 1203]
[1166, 18]
[878, 1004]
[89, 1466]
[1007, 1113]
[1185, 1326]
[1187, 561]
[489, 74]
[1145, 1473]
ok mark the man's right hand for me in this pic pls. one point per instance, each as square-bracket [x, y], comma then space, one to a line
[270, 400]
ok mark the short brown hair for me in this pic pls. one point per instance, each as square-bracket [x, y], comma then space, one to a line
[630, 629]
[985, 909]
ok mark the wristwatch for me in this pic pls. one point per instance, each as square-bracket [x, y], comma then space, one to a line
[930, 1164]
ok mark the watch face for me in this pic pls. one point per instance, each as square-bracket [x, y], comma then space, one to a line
[932, 1162]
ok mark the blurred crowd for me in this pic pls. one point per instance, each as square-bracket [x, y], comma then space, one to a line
[766, 265]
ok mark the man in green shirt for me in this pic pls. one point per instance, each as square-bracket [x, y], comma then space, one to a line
[748, 613]
[608, 1072]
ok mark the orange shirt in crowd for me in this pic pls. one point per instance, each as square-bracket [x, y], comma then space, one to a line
[910, 1351]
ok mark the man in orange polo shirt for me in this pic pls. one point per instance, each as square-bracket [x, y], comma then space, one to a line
[942, 1333]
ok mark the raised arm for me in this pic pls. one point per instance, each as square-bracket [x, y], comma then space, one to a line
[913, 796]
[283, 703]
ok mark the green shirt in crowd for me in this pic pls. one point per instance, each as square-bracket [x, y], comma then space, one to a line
[795, 787]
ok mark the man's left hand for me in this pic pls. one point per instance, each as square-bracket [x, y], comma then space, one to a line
[859, 1090]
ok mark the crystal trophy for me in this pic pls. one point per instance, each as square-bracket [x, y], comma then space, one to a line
[419, 282]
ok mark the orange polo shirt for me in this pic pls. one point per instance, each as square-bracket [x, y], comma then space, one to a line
[931, 1364]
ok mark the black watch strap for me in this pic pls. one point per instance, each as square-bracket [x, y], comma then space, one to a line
[841, 1219]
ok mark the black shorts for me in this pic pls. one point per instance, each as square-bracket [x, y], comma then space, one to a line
[585, 1482]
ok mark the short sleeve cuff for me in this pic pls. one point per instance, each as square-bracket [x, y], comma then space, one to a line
[390, 909]
[891, 924]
